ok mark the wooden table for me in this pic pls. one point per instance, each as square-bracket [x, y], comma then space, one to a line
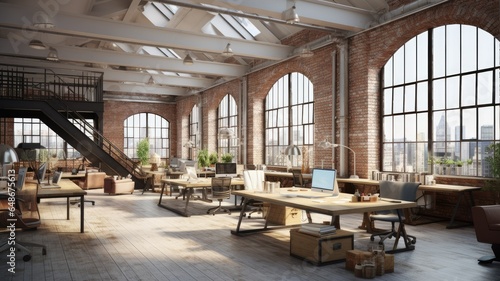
[189, 187]
[461, 190]
[69, 175]
[68, 189]
[330, 206]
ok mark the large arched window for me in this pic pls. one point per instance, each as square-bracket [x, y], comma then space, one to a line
[227, 118]
[289, 119]
[33, 130]
[441, 102]
[194, 123]
[147, 125]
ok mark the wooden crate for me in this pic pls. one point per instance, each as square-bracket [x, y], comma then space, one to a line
[321, 250]
[281, 215]
[354, 257]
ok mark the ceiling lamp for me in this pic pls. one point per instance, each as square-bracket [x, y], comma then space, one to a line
[188, 60]
[189, 144]
[52, 55]
[291, 16]
[37, 44]
[306, 52]
[226, 133]
[228, 52]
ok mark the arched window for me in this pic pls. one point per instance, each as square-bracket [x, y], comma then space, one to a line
[146, 125]
[194, 122]
[227, 118]
[441, 102]
[289, 119]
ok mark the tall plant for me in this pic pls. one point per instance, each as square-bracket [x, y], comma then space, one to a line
[203, 158]
[493, 159]
[143, 151]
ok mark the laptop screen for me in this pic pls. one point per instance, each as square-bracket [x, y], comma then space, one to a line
[323, 179]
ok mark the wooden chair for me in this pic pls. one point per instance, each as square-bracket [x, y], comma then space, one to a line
[221, 189]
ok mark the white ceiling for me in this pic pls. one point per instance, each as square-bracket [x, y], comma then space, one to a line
[131, 41]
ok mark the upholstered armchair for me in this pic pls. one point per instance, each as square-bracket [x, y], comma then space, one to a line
[92, 180]
[115, 186]
[487, 226]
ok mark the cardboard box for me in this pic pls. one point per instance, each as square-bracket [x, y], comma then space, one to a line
[281, 215]
[354, 257]
[320, 250]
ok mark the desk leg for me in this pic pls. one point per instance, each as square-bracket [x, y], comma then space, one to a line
[452, 223]
[67, 208]
[177, 211]
[161, 193]
[402, 234]
[82, 213]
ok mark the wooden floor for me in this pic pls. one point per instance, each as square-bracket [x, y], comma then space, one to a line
[128, 237]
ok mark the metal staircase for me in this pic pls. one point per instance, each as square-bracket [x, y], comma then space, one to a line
[57, 99]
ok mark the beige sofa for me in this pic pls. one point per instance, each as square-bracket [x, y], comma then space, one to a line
[113, 186]
[92, 180]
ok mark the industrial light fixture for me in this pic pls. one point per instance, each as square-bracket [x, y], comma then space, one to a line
[188, 60]
[37, 44]
[306, 52]
[228, 52]
[290, 15]
[189, 144]
[151, 80]
[292, 150]
[225, 133]
[325, 144]
[353, 176]
[52, 55]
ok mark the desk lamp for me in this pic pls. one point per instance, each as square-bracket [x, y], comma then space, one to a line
[7, 156]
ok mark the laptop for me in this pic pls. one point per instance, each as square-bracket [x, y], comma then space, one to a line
[55, 181]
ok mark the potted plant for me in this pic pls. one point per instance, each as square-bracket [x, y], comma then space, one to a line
[213, 158]
[458, 167]
[227, 158]
[203, 161]
[493, 159]
[143, 151]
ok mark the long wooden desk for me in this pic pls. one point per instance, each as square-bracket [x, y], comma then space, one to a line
[189, 187]
[330, 206]
[461, 190]
[68, 189]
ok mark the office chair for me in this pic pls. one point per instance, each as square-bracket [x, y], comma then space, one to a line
[298, 180]
[406, 191]
[254, 180]
[487, 227]
[221, 189]
[26, 215]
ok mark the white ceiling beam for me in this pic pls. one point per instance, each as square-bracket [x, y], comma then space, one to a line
[321, 13]
[87, 55]
[144, 89]
[103, 29]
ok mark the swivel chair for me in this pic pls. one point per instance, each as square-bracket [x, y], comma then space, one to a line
[254, 180]
[406, 191]
[26, 215]
[221, 189]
